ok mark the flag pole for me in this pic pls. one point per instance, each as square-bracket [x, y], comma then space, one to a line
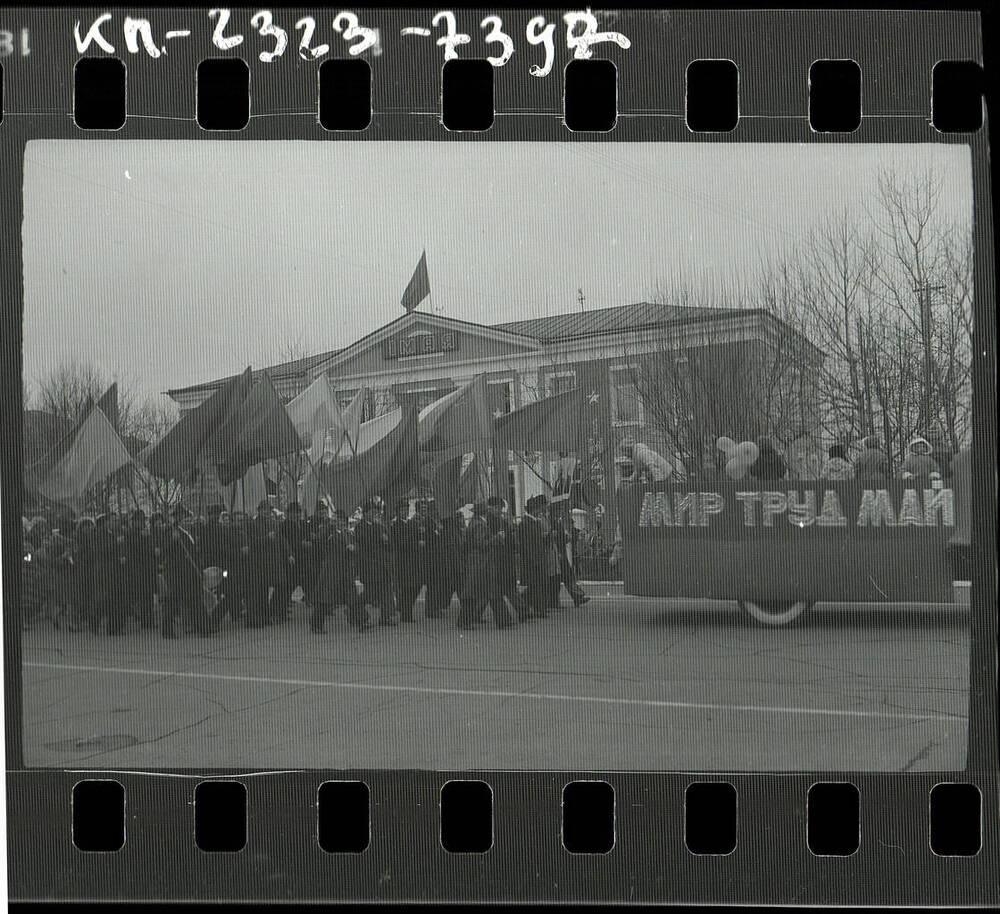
[201, 493]
[430, 293]
[319, 480]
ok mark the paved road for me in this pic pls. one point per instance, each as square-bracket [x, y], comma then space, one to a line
[620, 684]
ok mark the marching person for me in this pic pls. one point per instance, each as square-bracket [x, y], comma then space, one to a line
[140, 569]
[565, 576]
[452, 561]
[405, 536]
[182, 576]
[479, 576]
[436, 563]
[375, 563]
[230, 598]
[502, 559]
[297, 532]
[246, 583]
[276, 560]
[109, 576]
[338, 582]
[538, 556]
[83, 569]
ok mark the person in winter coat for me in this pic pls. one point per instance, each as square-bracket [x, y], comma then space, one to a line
[451, 573]
[276, 559]
[480, 558]
[769, 465]
[837, 465]
[942, 452]
[182, 575]
[538, 553]
[503, 558]
[919, 464]
[436, 563]
[407, 538]
[140, 569]
[565, 578]
[337, 582]
[375, 563]
[872, 464]
[295, 530]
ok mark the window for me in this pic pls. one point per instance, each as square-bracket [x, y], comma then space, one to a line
[626, 404]
[501, 397]
[559, 382]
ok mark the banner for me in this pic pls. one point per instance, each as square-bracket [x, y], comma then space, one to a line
[815, 540]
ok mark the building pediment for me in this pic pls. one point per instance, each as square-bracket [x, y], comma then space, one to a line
[419, 337]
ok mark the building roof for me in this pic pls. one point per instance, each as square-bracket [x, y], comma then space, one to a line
[608, 320]
[571, 325]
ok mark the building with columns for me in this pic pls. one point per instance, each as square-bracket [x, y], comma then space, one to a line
[419, 357]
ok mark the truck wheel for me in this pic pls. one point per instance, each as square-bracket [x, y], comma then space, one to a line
[774, 612]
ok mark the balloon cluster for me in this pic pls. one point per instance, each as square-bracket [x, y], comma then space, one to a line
[739, 457]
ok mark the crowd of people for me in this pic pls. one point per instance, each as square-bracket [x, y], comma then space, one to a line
[870, 464]
[183, 573]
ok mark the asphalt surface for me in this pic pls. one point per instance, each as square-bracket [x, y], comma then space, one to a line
[620, 684]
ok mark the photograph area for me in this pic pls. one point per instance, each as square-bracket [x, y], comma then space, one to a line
[538, 456]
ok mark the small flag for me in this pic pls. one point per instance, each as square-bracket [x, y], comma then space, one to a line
[419, 286]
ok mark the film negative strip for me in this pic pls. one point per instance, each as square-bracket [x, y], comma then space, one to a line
[347, 340]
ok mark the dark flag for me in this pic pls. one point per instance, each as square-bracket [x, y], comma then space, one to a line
[108, 404]
[419, 286]
[458, 423]
[385, 466]
[454, 487]
[180, 450]
[552, 424]
[257, 429]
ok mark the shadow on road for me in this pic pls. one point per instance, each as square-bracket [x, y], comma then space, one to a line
[824, 617]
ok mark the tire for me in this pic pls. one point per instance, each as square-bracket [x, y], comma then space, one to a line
[774, 613]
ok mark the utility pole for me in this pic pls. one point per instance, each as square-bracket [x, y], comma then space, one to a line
[923, 291]
[580, 298]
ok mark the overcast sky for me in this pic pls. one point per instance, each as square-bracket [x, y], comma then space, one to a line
[178, 262]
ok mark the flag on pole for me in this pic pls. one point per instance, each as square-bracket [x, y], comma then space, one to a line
[315, 410]
[552, 424]
[352, 417]
[453, 486]
[384, 464]
[458, 423]
[247, 493]
[257, 429]
[419, 286]
[94, 454]
[180, 450]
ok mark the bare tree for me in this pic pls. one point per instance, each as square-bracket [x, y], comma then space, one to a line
[693, 394]
[67, 389]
